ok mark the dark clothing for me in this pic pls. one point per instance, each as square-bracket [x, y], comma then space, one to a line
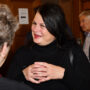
[89, 53]
[6, 84]
[77, 71]
[0, 75]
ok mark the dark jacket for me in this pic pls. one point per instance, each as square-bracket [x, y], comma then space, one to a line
[71, 57]
[6, 84]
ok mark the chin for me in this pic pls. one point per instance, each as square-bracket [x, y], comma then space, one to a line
[36, 41]
[84, 29]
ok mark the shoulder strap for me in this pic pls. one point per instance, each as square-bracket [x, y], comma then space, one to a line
[71, 57]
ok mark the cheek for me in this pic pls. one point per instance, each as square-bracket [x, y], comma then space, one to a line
[32, 33]
[32, 27]
[49, 36]
[45, 34]
[86, 25]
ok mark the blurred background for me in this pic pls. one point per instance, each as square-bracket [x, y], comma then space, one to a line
[71, 8]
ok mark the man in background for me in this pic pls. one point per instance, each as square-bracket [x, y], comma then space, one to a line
[84, 18]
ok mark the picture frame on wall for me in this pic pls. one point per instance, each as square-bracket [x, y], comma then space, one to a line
[23, 15]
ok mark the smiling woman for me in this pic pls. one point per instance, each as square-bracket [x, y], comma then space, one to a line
[39, 31]
[45, 63]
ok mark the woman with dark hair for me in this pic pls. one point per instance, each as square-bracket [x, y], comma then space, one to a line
[52, 60]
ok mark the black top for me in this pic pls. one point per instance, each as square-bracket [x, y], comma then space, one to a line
[6, 84]
[77, 72]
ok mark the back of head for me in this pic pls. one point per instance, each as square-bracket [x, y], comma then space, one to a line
[8, 25]
[54, 19]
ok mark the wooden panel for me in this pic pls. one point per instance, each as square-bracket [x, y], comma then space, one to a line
[22, 0]
[85, 1]
[67, 7]
[86, 5]
[76, 28]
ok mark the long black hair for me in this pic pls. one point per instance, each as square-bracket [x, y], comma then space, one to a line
[54, 19]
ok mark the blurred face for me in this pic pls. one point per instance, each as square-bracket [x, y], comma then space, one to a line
[85, 23]
[3, 53]
[41, 35]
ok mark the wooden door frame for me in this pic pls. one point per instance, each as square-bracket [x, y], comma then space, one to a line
[77, 8]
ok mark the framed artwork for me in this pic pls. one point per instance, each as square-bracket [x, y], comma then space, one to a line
[23, 15]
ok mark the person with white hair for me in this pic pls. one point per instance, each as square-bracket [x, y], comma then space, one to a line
[8, 26]
[85, 25]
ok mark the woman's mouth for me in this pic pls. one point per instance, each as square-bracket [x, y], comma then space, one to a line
[37, 36]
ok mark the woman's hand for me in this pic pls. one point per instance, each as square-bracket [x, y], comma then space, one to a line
[46, 71]
[29, 75]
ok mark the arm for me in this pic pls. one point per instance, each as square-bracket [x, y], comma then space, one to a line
[78, 74]
[81, 63]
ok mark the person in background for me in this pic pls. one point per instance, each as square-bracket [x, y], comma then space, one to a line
[52, 60]
[84, 18]
[8, 26]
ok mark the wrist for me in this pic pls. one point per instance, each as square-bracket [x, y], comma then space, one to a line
[61, 73]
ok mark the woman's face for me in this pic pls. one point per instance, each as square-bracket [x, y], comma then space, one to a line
[40, 34]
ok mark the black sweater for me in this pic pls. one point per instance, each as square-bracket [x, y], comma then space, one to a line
[77, 73]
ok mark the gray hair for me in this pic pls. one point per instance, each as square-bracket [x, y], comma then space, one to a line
[8, 25]
[85, 13]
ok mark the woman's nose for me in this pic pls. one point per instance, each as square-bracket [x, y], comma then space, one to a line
[36, 28]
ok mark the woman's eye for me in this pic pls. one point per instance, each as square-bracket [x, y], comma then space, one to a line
[33, 23]
[42, 26]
